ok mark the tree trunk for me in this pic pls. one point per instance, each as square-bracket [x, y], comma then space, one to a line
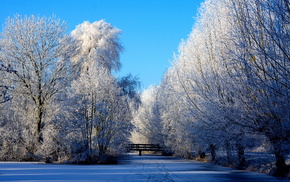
[277, 141]
[241, 155]
[39, 125]
[212, 149]
[201, 154]
[228, 150]
[282, 169]
[40, 105]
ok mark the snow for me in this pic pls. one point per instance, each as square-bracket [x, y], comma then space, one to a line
[135, 168]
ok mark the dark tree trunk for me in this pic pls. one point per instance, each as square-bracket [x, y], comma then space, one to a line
[201, 154]
[282, 169]
[39, 125]
[228, 150]
[212, 149]
[278, 142]
[241, 155]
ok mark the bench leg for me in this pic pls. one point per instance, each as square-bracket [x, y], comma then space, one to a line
[140, 152]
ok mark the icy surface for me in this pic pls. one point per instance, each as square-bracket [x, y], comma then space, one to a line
[135, 168]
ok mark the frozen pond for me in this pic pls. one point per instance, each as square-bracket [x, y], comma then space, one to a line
[135, 168]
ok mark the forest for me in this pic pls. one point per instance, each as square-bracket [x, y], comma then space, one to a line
[225, 95]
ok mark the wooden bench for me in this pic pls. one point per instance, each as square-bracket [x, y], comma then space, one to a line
[144, 147]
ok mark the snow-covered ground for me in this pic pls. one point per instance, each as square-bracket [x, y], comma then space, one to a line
[135, 168]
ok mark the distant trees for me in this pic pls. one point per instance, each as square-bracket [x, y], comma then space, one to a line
[147, 121]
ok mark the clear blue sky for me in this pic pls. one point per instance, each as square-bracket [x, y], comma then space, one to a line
[151, 29]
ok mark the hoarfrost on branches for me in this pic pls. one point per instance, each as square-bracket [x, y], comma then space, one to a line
[99, 42]
[228, 87]
[67, 105]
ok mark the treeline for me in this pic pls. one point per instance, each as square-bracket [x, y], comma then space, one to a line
[227, 91]
[59, 99]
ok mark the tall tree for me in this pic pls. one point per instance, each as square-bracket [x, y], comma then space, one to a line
[263, 39]
[39, 50]
[102, 105]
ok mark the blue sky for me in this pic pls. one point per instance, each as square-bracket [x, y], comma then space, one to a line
[151, 29]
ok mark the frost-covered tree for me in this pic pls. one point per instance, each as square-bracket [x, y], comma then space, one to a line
[147, 119]
[177, 138]
[263, 29]
[129, 86]
[203, 79]
[99, 42]
[99, 104]
[38, 50]
[229, 83]
[101, 115]
[66, 103]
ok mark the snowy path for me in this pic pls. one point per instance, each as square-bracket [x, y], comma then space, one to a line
[144, 168]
